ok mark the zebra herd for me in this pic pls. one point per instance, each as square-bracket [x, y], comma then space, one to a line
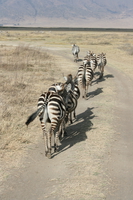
[86, 71]
[57, 106]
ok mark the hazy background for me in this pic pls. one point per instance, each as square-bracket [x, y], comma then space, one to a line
[67, 13]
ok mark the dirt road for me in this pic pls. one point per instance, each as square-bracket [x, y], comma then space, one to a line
[95, 160]
[121, 164]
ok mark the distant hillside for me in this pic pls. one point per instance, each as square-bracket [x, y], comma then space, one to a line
[69, 13]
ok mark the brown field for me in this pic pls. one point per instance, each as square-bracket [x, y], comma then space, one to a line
[28, 66]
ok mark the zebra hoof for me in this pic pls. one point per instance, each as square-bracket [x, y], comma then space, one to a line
[86, 97]
[65, 133]
[49, 155]
[56, 149]
[101, 76]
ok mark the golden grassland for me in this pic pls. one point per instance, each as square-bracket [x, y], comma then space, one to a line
[27, 69]
[117, 45]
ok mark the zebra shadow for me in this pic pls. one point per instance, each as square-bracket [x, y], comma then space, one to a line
[94, 93]
[79, 60]
[77, 131]
[104, 78]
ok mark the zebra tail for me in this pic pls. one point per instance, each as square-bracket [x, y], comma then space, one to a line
[33, 116]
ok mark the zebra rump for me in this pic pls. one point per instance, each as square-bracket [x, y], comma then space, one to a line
[85, 76]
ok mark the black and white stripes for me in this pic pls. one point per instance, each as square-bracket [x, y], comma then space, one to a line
[51, 109]
[54, 108]
[101, 62]
[57, 105]
[85, 76]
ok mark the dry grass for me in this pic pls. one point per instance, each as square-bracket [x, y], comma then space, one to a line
[24, 74]
[128, 48]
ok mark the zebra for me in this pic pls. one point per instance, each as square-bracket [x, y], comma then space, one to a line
[101, 62]
[68, 95]
[76, 90]
[69, 98]
[75, 52]
[71, 105]
[73, 85]
[85, 76]
[52, 110]
[74, 94]
[60, 88]
[91, 59]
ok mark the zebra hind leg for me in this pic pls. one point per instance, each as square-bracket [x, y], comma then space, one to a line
[57, 135]
[101, 75]
[62, 130]
[74, 115]
[71, 121]
[56, 142]
[102, 72]
[49, 143]
[45, 137]
[86, 90]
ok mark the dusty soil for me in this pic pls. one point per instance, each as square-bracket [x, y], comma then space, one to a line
[95, 160]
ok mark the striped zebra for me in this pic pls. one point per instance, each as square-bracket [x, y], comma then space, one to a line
[90, 59]
[69, 98]
[52, 110]
[101, 62]
[85, 76]
[75, 52]
[74, 94]
[70, 101]
[71, 106]
[60, 88]
[73, 85]
[76, 90]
